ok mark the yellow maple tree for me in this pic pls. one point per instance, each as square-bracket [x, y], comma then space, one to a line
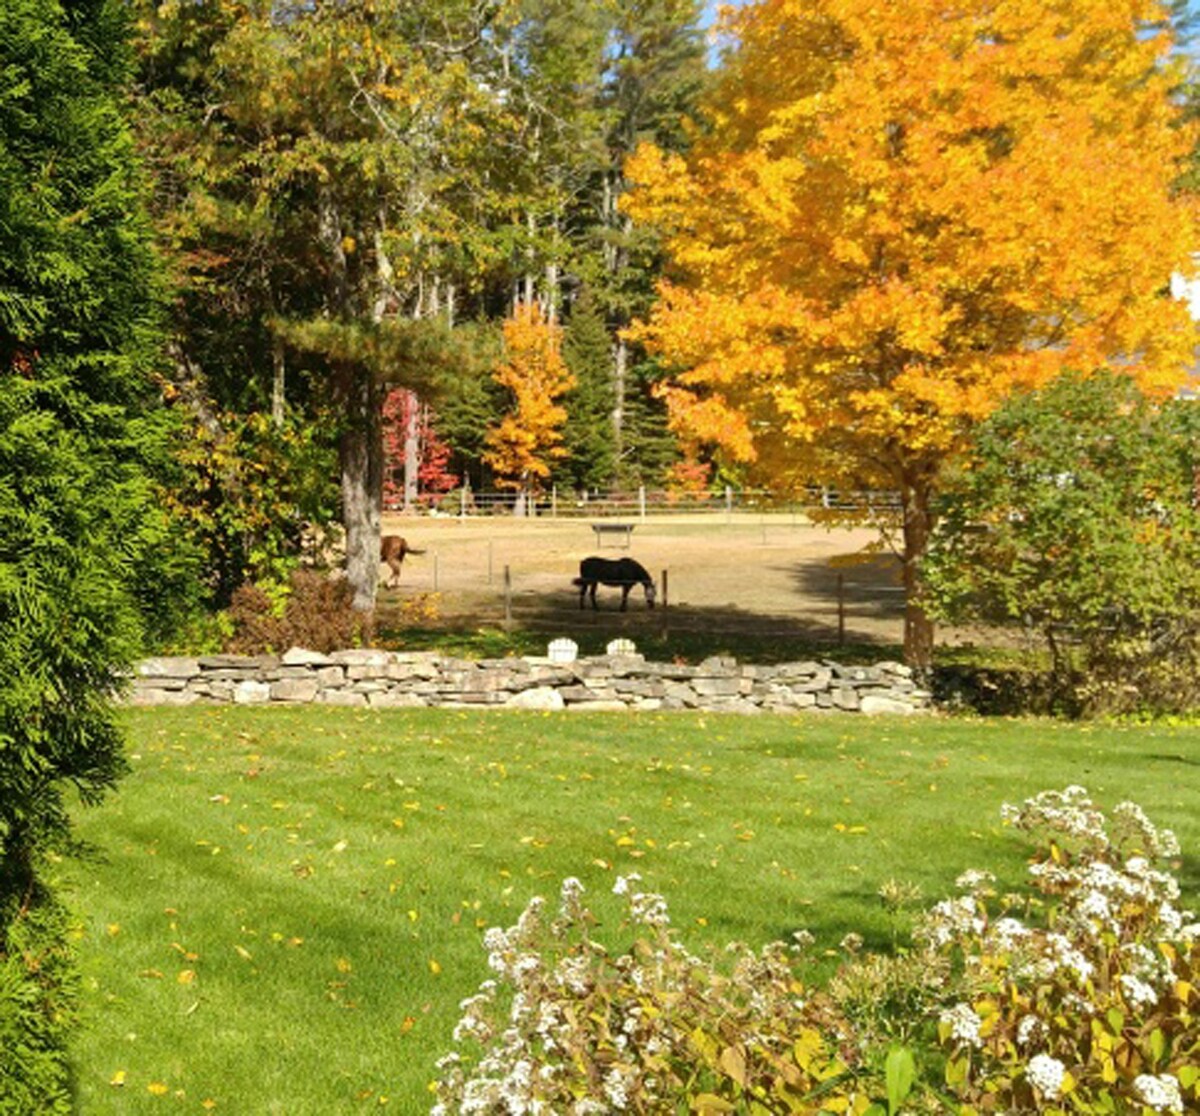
[528, 437]
[897, 214]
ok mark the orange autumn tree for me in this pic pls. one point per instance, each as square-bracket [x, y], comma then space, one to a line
[528, 438]
[900, 213]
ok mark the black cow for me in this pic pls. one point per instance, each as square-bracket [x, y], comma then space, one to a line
[622, 572]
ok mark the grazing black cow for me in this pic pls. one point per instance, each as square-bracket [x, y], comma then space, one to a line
[622, 572]
[392, 549]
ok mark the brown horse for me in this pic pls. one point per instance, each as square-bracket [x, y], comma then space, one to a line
[392, 550]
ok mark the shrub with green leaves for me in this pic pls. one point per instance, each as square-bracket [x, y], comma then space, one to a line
[38, 1007]
[1073, 516]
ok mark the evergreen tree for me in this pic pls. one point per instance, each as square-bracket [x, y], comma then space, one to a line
[82, 533]
[650, 448]
[587, 433]
[655, 75]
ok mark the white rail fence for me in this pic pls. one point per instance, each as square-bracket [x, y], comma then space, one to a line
[643, 502]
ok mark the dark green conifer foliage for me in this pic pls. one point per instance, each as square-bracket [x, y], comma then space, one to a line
[650, 448]
[80, 518]
[587, 435]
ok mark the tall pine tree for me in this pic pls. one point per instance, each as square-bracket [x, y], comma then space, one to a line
[587, 433]
[81, 531]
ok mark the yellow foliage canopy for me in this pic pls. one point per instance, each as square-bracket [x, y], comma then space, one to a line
[902, 212]
[528, 437]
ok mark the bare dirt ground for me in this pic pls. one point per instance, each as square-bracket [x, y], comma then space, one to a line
[746, 573]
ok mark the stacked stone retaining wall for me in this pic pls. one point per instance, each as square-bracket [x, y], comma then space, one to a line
[392, 679]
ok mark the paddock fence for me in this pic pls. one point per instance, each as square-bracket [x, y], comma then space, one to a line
[834, 611]
[642, 503]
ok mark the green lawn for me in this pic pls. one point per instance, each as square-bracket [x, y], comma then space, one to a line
[286, 906]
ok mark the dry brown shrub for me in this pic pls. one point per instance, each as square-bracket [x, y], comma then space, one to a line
[317, 615]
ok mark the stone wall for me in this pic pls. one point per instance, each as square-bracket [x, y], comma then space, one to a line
[391, 679]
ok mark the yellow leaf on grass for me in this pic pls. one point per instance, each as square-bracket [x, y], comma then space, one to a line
[117, 1079]
[113, 928]
[343, 965]
[157, 1088]
[186, 976]
[244, 953]
[434, 967]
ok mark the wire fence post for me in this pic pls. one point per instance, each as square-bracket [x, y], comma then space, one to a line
[728, 503]
[666, 623]
[841, 608]
[641, 501]
[554, 502]
[507, 599]
[464, 498]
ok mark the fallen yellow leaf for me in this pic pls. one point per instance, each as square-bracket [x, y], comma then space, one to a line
[157, 1088]
[117, 1079]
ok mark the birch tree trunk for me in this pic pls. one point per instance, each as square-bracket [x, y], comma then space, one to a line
[412, 451]
[620, 369]
[278, 382]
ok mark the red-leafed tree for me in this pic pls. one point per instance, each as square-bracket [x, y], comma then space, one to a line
[413, 453]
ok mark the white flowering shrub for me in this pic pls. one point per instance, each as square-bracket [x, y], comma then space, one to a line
[566, 1028]
[1079, 997]
[1092, 1007]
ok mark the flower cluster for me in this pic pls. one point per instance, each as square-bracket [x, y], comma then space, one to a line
[567, 1028]
[1097, 999]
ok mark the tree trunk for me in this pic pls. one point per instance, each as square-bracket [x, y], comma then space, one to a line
[360, 451]
[412, 450]
[620, 369]
[278, 382]
[918, 627]
[530, 290]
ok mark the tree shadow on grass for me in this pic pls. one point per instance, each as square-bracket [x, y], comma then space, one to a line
[689, 631]
[868, 586]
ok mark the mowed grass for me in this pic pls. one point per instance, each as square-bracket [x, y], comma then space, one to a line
[285, 907]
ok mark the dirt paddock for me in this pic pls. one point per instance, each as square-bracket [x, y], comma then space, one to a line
[749, 573]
